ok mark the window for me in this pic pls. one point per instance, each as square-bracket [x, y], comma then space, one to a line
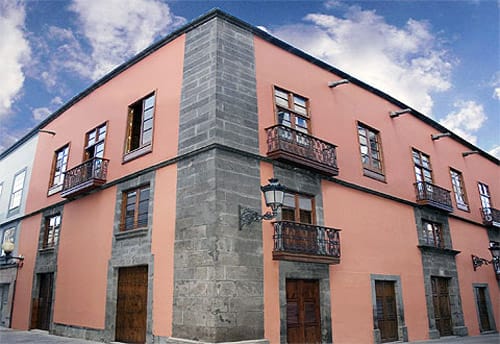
[292, 110]
[140, 124]
[17, 190]
[94, 143]
[135, 208]
[423, 170]
[433, 234]
[484, 194]
[51, 232]
[298, 208]
[59, 166]
[459, 190]
[8, 236]
[371, 154]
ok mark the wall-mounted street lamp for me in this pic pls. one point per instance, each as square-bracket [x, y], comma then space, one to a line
[495, 253]
[394, 114]
[8, 258]
[464, 154]
[333, 84]
[274, 194]
[435, 137]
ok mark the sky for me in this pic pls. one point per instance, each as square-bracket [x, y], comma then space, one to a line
[442, 58]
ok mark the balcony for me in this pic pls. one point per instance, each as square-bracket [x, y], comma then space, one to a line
[85, 177]
[433, 196]
[306, 243]
[291, 145]
[491, 217]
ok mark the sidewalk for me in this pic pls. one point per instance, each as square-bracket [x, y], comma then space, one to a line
[493, 338]
[9, 336]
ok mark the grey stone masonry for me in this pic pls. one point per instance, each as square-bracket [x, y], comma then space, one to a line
[218, 270]
[440, 262]
[218, 100]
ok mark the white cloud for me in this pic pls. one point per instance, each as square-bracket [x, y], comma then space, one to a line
[408, 63]
[495, 151]
[466, 120]
[495, 83]
[41, 113]
[118, 29]
[14, 53]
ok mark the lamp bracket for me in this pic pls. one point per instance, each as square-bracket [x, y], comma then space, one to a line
[249, 216]
[478, 262]
[7, 258]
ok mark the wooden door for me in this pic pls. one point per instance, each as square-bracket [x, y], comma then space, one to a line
[484, 320]
[4, 300]
[303, 311]
[131, 305]
[42, 306]
[386, 311]
[442, 309]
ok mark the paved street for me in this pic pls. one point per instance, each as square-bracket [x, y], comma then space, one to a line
[8, 336]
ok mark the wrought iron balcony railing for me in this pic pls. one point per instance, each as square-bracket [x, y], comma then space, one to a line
[491, 216]
[285, 143]
[306, 243]
[84, 177]
[433, 196]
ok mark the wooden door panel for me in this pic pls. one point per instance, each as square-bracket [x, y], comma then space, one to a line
[303, 311]
[386, 310]
[43, 304]
[441, 302]
[131, 305]
[482, 306]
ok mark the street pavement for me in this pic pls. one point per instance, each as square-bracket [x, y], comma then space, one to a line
[9, 336]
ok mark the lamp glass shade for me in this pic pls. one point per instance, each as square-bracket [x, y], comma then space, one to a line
[273, 194]
[8, 247]
[494, 249]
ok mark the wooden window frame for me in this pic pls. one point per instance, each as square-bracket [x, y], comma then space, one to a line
[97, 140]
[48, 243]
[459, 188]
[123, 216]
[296, 196]
[53, 187]
[15, 191]
[291, 109]
[369, 170]
[483, 195]
[437, 232]
[130, 152]
[421, 166]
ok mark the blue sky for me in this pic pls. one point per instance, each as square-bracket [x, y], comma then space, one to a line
[440, 57]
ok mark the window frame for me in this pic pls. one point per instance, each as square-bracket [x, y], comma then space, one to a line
[123, 216]
[421, 166]
[369, 170]
[459, 187]
[437, 232]
[290, 108]
[297, 208]
[15, 208]
[97, 141]
[129, 152]
[53, 187]
[48, 243]
[484, 195]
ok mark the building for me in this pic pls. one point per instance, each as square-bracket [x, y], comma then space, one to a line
[15, 173]
[135, 225]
